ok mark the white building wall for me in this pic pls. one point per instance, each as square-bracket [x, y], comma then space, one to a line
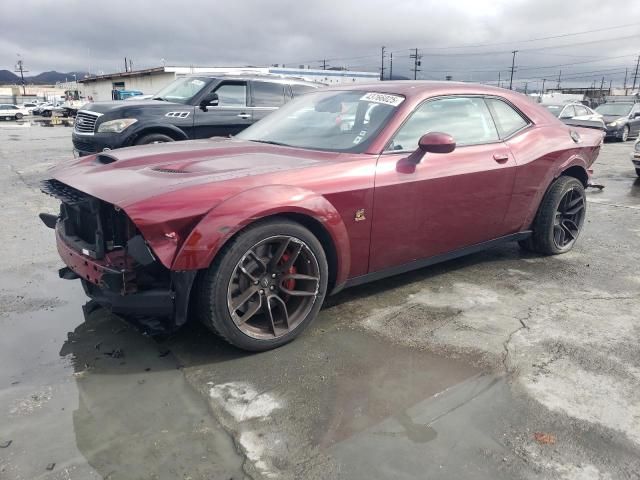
[148, 84]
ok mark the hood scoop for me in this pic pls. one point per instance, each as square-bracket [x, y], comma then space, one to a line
[105, 159]
[168, 170]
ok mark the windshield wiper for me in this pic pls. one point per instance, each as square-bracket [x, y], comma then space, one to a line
[271, 142]
[160, 98]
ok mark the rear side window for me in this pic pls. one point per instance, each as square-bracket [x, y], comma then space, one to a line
[301, 89]
[267, 94]
[508, 120]
[568, 112]
[581, 111]
[466, 119]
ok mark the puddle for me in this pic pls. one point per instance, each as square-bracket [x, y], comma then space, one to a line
[97, 398]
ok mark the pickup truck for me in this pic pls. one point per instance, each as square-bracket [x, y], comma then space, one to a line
[190, 107]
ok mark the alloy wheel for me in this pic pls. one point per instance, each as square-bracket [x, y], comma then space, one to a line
[273, 287]
[568, 219]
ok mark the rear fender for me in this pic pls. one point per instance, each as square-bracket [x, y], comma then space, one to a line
[235, 213]
[573, 161]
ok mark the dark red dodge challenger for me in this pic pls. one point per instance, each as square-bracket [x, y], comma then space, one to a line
[339, 187]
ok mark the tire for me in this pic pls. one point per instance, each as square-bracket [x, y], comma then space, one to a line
[19, 116]
[153, 138]
[625, 134]
[550, 237]
[219, 288]
[638, 171]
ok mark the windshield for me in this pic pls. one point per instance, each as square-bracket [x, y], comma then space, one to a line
[619, 109]
[181, 90]
[338, 121]
[555, 109]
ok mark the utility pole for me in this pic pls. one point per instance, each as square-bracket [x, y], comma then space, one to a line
[526, 84]
[559, 78]
[601, 86]
[391, 66]
[624, 85]
[543, 82]
[126, 65]
[324, 63]
[499, 81]
[20, 68]
[610, 83]
[382, 63]
[130, 65]
[416, 63]
[635, 75]
[513, 67]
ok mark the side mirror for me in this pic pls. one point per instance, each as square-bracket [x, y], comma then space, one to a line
[433, 142]
[209, 100]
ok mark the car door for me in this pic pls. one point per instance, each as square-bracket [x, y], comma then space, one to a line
[447, 201]
[634, 120]
[266, 97]
[229, 116]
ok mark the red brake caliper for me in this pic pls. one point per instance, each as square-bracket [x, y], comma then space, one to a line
[291, 283]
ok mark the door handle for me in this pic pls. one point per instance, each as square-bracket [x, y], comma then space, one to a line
[500, 157]
[244, 115]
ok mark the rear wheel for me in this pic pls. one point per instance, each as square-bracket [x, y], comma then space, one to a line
[154, 138]
[265, 287]
[19, 116]
[560, 218]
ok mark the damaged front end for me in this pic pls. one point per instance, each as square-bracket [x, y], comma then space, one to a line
[103, 248]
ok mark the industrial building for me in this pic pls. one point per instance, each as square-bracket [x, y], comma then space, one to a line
[151, 80]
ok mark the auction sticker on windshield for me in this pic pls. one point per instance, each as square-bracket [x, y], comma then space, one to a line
[385, 98]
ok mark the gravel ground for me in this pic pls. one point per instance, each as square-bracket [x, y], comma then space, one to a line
[498, 365]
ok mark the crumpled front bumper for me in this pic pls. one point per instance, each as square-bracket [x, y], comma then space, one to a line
[114, 287]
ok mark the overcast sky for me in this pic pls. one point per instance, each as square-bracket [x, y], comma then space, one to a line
[66, 35]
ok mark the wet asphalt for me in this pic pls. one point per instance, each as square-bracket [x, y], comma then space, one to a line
[499, 365]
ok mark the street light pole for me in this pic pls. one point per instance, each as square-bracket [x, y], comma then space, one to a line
[513, 66]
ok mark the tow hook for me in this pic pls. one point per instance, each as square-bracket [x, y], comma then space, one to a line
[48, 219]
[599, 186]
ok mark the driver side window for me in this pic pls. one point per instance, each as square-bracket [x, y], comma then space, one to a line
[232, 95]
[466, 119]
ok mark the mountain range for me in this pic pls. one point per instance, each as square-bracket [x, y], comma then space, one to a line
[44, 78]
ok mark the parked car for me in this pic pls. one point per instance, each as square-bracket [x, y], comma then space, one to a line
[574, 113]
[250, 233]
[49, 110]
[12, 112]
[621, 119]
[42, 107]
[188, 108]
[29, 106]
[635, 156]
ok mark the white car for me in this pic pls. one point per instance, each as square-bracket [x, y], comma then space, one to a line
[12, 112]
[29, 106]
[574, 111]
[635, 156]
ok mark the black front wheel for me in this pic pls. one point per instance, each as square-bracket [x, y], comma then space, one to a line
[154, 138]
[560, 218]
[265, 287]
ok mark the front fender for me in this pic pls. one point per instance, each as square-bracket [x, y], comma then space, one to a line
[146, 128]
[235, 213]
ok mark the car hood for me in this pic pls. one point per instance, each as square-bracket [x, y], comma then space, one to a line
[106, 107]
[126, 176]
[611, 118]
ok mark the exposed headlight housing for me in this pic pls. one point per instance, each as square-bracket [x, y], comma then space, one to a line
[116, 126]
[613, 124]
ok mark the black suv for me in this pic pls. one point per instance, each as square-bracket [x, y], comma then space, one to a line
[190, 107]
